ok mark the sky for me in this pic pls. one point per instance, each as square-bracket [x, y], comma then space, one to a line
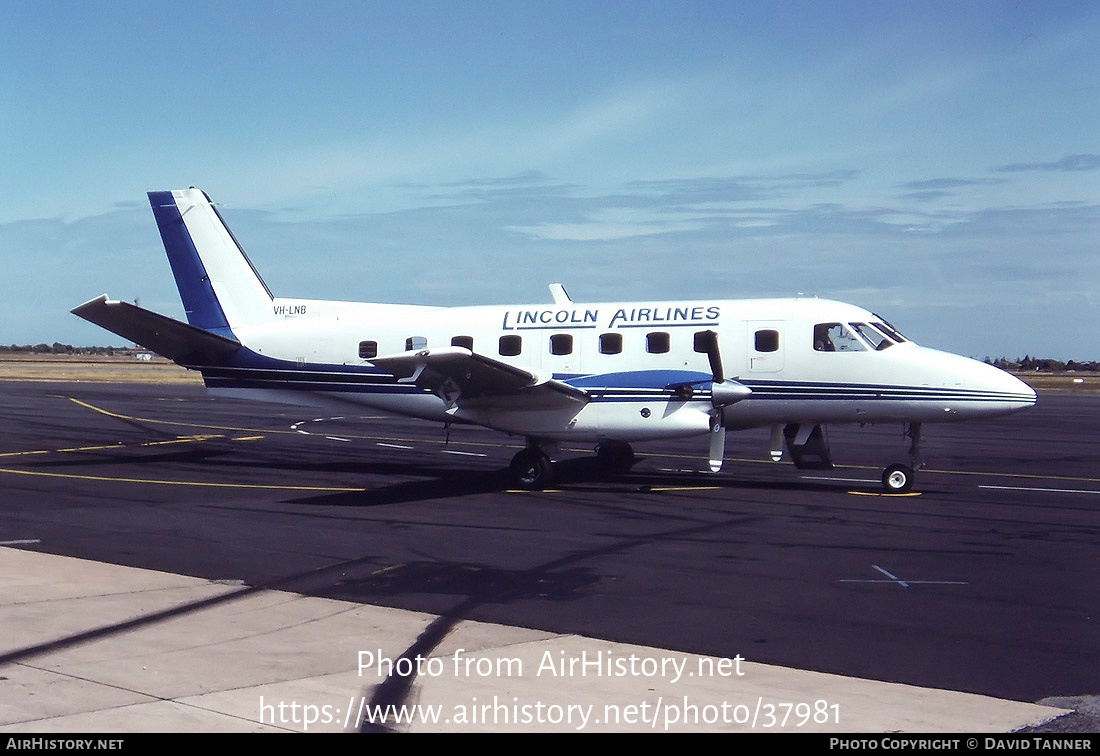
[935, 162]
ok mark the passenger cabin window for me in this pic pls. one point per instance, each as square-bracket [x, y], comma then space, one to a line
[561, 343]
[766, 340]
[611, 343]
[463, 341]
[657, 342]
[368, 350]
[415, 342]
[836, 337]
[510, 346]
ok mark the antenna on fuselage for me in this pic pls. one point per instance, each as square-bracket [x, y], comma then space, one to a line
[560, 295]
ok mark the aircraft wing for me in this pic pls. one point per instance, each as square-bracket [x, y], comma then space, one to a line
[463, 378]
[166, 336]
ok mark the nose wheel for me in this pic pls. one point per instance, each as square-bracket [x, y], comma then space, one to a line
[898, 478]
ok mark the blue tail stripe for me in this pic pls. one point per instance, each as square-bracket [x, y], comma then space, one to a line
[200, 303]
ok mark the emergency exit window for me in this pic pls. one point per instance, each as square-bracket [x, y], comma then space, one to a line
[766, 340]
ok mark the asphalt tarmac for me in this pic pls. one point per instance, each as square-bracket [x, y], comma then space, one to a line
[985, 580]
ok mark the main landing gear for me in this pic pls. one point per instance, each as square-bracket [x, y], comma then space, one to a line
[900, 478]
[532, 469]
[615, 457]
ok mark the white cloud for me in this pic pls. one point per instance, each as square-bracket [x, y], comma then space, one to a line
[601, 231]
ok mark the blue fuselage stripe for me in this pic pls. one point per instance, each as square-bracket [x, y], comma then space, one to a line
[371, 380]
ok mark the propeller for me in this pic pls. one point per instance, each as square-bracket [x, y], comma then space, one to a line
[723, 392]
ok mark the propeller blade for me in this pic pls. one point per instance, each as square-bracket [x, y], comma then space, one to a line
[707, 341]
[722, 392]
[776, 445]
[717, 444]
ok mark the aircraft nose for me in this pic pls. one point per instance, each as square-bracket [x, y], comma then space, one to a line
[1027, 392]
[995, 391]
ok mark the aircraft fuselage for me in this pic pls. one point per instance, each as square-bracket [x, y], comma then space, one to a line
[629, 357]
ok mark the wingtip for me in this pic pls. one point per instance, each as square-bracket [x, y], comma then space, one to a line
[95, 301]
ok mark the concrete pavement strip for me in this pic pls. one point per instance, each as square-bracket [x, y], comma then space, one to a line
[94, 647]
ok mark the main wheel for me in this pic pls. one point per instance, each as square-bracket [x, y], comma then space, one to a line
[531, 469]
[897, 478]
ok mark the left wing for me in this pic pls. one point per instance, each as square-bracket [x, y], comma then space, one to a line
[459, 376]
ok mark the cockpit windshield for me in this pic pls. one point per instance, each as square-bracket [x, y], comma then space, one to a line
[874, 337]
[884, 325]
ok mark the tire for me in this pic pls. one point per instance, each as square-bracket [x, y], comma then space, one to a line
[531, 470]
[897, 479]
[615, 457]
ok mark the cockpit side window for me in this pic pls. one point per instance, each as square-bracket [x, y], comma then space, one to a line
[836, 337]
[873, 337]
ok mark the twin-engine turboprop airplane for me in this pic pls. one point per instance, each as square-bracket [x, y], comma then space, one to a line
[609, 373]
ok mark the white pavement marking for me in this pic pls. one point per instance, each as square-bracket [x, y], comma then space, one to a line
[894, 579]
[1042, 490]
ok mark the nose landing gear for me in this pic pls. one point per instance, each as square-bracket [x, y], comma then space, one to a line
[899, 478]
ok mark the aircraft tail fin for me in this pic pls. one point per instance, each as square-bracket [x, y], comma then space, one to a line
[219, 286]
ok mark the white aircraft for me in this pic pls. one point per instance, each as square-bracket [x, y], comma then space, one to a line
[607, 373]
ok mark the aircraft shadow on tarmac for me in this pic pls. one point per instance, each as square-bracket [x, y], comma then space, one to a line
[424, 480]
[578, 475]
[196, 455]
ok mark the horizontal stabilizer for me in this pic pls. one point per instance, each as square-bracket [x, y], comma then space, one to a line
[170, 338]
